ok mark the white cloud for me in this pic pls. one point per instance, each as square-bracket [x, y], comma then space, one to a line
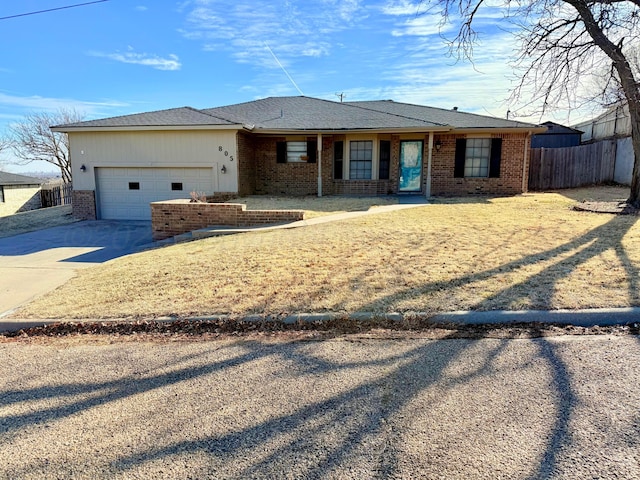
[50, 104]
[171, 62]
[141, 8]
[292, 29]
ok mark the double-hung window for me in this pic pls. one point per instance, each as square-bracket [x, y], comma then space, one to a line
[477, 155]
[360, 159]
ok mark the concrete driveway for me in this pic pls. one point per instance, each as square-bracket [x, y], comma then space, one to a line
[35, 263]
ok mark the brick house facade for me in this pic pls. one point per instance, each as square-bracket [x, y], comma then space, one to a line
[292, 146]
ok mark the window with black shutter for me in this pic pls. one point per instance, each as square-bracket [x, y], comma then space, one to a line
[385, 160]
[478, 158]
[338, 159]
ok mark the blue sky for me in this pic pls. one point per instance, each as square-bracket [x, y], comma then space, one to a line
[127, 56]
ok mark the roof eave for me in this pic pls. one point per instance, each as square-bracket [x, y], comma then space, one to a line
[523, 129]
[341, 131]
[130, 128]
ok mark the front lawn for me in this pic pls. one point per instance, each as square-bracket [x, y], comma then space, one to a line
[530, 251]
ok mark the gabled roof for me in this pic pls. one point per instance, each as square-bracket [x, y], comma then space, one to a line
[453, 118]
[304, 114]
[183, 116]
[7, 178]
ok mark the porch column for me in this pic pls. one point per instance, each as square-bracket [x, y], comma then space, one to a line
[319, 161]
[427, 190]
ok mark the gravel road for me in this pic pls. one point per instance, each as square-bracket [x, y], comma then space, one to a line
[353, 407]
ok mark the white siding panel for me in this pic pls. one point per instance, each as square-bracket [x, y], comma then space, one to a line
[118, 201]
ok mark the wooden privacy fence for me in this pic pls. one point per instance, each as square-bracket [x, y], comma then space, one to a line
[552, 168]
[58, 195]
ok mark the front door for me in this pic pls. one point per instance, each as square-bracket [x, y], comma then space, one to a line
[411, 166]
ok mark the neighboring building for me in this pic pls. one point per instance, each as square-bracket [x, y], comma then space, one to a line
[556, 136]
[613, 125]
[292, 146]
[18, 193]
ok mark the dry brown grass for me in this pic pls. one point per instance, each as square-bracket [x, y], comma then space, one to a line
[35, 220]
[530, 251]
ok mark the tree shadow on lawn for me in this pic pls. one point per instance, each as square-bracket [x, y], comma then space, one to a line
[535, 288]
[358, 427]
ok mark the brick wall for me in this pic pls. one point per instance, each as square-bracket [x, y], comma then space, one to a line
[274, 178]
[511, 169]
[84, 204]
[175, 217]
[246, 164]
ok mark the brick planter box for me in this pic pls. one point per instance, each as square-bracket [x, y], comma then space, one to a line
[175, 217]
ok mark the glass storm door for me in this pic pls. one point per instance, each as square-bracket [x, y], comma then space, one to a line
[411, 166]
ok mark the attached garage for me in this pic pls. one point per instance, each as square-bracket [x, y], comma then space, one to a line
[125, 193]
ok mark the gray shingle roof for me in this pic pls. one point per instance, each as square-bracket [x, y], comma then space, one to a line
[183, 116]
[7, 178]
[454, 118]
[307, 114]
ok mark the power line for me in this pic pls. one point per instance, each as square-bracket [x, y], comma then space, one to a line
[52, 9]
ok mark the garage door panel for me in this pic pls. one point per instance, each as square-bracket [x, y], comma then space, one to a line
[118, 200]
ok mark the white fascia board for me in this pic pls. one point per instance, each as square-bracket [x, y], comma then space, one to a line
[147, 128]
[347, 131]
[489, 130]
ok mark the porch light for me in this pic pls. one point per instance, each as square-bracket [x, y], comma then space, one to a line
[224, 169]
[438, 145]
[83, 168]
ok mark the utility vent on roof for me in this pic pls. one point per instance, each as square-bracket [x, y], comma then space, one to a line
[455, 109]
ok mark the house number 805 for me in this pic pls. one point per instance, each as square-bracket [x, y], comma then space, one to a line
[226, 153]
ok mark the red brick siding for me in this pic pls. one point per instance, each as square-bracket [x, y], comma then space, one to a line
[84, 204]
[274, 178]
[175, 217]
[511, 169]
[246, 164]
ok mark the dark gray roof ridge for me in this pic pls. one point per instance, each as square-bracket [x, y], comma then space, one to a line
[7, 178]
[353, 104]
[114, 121]
[446, 110]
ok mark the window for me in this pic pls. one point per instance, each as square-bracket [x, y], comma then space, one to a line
[338, 159]
[360, 159]
[478, 157]
[134, 185]
[385, 160]
[176, 186]
[297, 151]
[1, 194]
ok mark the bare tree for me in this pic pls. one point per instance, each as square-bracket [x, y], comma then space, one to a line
[32, 140]
[562, 43]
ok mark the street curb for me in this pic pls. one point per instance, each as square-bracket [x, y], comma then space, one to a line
[581, 318]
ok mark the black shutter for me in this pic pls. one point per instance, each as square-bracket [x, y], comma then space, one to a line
[312, 150]
[281, 152]
[496, 155]
[461, 153]
[338, 157]
[385, 159]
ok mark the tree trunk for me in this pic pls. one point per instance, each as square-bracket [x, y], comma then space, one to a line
[634, 113]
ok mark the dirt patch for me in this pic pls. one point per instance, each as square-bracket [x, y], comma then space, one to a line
[617, 207]
[188, 330]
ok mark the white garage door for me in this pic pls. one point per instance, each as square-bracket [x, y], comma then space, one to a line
[125, 193]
